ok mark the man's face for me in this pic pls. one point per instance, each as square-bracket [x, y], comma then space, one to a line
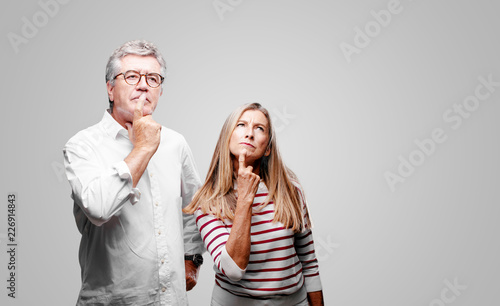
[125, 96]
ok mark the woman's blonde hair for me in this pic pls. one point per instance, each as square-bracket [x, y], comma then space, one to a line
[217, 196]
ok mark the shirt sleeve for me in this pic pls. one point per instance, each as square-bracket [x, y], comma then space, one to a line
[190, 182]
[100, 191]
[304, 246]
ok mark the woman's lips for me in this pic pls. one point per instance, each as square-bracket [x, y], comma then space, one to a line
[248, 144]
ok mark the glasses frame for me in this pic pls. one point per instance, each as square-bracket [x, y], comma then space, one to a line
[140, 76]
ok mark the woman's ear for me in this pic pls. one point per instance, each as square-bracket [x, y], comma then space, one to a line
[268, 151]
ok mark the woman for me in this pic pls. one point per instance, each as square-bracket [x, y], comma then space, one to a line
[253, 218]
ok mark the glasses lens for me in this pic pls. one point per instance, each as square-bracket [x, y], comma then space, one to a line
[153, 79]
[132, 77]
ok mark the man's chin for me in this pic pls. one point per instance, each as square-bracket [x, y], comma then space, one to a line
[147, 111]
[129, 113]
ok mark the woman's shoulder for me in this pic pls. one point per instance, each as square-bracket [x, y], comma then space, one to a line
[295, 182]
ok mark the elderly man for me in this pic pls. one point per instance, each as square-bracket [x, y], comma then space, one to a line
[130, 179]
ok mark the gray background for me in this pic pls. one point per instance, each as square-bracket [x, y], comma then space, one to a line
[342, 126]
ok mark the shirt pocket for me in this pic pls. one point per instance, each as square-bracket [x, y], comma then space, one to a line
[138, 235]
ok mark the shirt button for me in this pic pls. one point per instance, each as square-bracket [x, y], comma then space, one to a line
[163, 289]
[151, 174]
[156, 203]
[162, 261]
[159, 232]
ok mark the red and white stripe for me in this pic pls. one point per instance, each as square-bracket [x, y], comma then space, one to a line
[280, 261]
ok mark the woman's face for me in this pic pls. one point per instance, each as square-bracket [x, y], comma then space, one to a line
[251, 134]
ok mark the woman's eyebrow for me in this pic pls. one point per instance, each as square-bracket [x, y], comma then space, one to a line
[259, 123]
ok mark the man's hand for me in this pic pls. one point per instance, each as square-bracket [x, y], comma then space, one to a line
[191, 274]
[144, 132]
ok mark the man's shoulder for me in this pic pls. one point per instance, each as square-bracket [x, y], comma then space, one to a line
[172, 136]
[89, 134]
[173, 141]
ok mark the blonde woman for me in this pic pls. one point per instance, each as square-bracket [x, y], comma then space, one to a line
[252, 216]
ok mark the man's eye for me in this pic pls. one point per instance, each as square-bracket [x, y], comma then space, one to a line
[132, 77]
[153, 79]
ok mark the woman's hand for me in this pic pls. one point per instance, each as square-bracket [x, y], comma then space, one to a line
[238, 243]
[248, 182]
[315, 298]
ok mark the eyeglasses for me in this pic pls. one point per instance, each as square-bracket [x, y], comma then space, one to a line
[133, 77]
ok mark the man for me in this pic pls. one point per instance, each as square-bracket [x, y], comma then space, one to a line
[130, 179]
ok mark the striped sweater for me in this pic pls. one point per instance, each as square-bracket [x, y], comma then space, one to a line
[280, 263]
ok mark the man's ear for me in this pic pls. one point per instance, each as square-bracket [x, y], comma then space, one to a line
[110, 89]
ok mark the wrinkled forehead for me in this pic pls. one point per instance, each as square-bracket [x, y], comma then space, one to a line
[140, 63]
[254, 116]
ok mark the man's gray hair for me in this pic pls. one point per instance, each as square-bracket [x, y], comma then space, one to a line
[136, 47]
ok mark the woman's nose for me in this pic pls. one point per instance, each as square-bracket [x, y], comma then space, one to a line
[249, 133]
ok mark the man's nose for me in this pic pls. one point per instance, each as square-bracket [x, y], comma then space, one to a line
[142, 85]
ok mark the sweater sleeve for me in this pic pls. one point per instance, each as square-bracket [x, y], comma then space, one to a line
[304, 246]
[215, 234]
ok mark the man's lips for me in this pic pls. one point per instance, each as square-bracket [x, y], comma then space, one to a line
[137, 98]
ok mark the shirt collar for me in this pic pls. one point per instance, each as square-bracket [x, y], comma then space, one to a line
[111, 126]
